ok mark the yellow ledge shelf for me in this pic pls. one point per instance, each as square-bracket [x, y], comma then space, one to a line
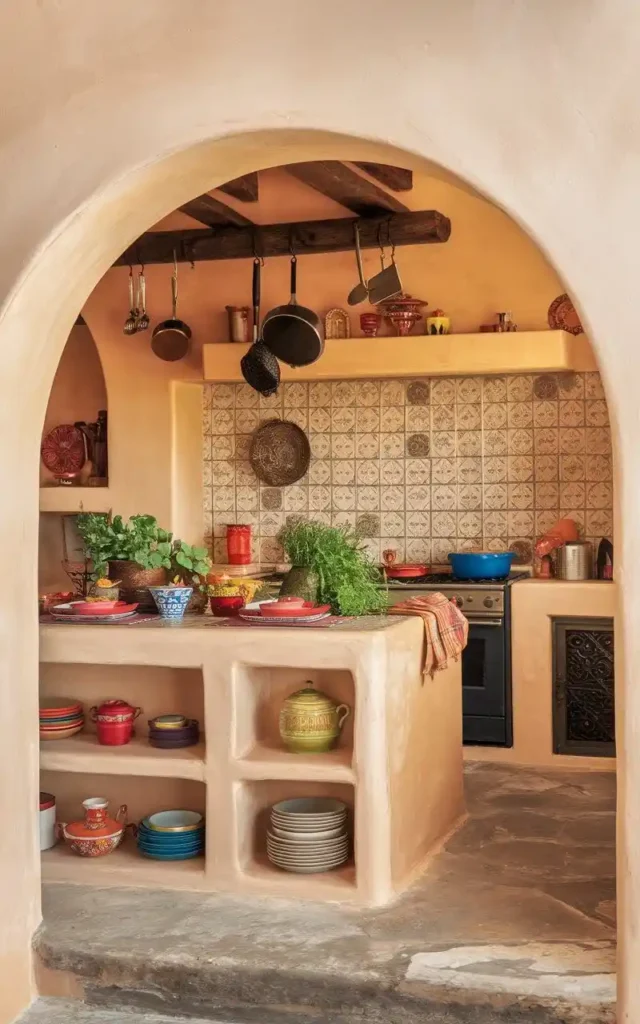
[264, 762]
[125, 866]
[422, 356]
[75, 499]
[83, 753]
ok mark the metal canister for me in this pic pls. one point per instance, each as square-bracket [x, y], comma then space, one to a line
[574, 561]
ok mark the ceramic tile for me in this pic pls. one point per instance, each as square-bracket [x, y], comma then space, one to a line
[343, 446]
[520, 468]
[579, 516]
[545, 414]
[546, 441]
[295, 394]
[343, 393]
[271, 498]
[367, 446]
[321, 445]
[598, 440]
[391, 446]
[494, 470]
[319, 421]
[393, 524]
[222, 421]
[367, 420]
[443, 471]
[570, 384]
[368, 499]
[599, 495]
[444, 496]
[207, 478]
[494, 389]
[571, 440]
[246, 397]
[443, 443]
[494, 415]
[367, 393]
[418, 550]
[206, 422]
[468, 417]
[599, 522]
[545, 520]
[418, 446]
[343, 420]
[520, 414]
[468, 390]
[246, 499]
[469, 524]
[321, 517]
[343, 520]
[494, 524]
[443, 524]
[520, 496]
[246, 420]
[343, 472]
[319, 395]
[392, 471]
[596, 414]
[520, 388]
[206, 448]
[572, 494]
[223, 473]
[494, 496]
[392, 392]
[298, 416]
[271, 403]
[242, 447]
[572, 467]
[320, 498]
[494, 442]
[571, 413]
[245, 477]
[207, 499]
[392, 419]
[497, 544]
[520, 442]
[206, 397]
[222, 396]
[392, 499]
[417, 497]
[520, 523]
[469, 470]
[469, 497]
[372, 549]
[418, 524]
[441, 546]
[547, 495]
[224, 498]
[522, 549]
[296, 498]
[418, 392]
[396, 544]
[270, 550]
[593, 388]
[545, 387]
[418, 417]
[319, 471]
[443, 391]
[368, 472]
[219, 551]
[222, 446]
[368, 524]
[443, 417]
[598, 467]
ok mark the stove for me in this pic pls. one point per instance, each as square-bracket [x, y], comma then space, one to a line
[486, 661]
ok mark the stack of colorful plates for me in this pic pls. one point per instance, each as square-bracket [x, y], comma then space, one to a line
[308, 835]
[60, 717]
[172, 731]
[171, 835]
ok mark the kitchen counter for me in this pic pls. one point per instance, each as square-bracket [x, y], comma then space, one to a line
[398, 762]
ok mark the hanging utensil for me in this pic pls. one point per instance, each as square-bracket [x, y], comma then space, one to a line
[361, 291]
[386, 284]
[170, 339]
[141, 302]
[292, 332]
[131, 323]
[259, 366]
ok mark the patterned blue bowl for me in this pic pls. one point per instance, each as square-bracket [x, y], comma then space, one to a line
[171, 602]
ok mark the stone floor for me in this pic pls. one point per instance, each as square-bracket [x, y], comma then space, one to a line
[515, 916]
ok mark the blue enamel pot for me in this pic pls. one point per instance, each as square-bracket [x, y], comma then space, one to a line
[483, 565]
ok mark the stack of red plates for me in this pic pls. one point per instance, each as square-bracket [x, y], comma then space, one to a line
[60, 717]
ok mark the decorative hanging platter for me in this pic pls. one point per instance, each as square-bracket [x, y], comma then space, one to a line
[279, 453]
[562, 315]
[63, 451]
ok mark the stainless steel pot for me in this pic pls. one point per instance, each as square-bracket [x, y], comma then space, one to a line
[574, 561]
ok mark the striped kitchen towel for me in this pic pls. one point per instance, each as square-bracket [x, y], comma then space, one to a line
[445, 628]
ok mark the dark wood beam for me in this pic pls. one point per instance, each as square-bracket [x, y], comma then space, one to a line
[347, 187]
[304, 237]
[400, 179]
[212, 212]
[244, 188]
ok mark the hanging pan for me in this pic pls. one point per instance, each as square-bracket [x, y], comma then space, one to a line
[259, 366]
[386, 284]
[292, 332]
[171, 338]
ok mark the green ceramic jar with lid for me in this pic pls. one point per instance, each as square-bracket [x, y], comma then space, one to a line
[310, 721]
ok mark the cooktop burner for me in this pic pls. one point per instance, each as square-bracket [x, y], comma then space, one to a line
[442, 578]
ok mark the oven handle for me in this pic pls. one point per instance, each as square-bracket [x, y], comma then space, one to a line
[486, 622]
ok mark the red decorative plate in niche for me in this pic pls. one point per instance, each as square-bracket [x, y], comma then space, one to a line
[63, 451]
[562, 315]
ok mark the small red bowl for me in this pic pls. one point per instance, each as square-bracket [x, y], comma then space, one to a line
[224, 607]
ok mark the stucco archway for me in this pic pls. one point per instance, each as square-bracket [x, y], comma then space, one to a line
[66, 219]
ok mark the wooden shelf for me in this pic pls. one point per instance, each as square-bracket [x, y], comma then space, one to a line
[422, 356]
[83, 753]
[75, 499]
[264, 762]
[125, 866]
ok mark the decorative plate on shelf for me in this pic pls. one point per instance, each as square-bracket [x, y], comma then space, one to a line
[63, 450]
[562, 315]
[337, 324]
[279, 453]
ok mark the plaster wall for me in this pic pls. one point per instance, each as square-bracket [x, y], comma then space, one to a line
[520, 101]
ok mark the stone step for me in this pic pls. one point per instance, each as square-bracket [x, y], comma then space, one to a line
[64, 1011]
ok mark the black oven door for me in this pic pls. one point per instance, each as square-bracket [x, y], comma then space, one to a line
[486, 713]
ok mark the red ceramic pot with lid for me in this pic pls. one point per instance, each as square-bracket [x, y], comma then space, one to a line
[114, 721]
[98, 834]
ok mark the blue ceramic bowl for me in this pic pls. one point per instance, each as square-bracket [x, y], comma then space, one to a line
[171, 602]
[483, 565]
[173, 822]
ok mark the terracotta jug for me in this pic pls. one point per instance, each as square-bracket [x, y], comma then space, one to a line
[310, 722]
[97, 834]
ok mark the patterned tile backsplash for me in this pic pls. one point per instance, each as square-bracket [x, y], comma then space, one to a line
[424, 466]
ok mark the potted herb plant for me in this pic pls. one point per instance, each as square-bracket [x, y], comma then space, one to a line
[190, 566]
[137, 553]
[330, 565]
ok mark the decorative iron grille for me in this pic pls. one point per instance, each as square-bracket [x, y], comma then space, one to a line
[583, 687]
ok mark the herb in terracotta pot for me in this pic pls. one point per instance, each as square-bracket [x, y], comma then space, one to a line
[136, 552]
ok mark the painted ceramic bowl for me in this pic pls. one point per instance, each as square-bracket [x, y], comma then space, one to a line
[174, 821]
[171, 602]
[225, 607]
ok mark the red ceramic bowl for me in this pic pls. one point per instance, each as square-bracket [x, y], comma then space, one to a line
[224, 607]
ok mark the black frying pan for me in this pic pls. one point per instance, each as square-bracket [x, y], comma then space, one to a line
[259, 366]
[292, 332]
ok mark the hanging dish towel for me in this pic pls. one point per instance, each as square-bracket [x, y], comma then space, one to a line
[445, 628]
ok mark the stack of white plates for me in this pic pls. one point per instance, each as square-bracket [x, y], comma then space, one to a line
[308, 835]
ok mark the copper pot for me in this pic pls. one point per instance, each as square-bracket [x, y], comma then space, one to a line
[135, 582]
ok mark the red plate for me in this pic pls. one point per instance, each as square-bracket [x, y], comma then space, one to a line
[99, 608]
[294, 611]
[59, 706]
[401, 571]
[63, 451]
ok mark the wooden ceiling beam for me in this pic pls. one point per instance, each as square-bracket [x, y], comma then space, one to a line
[304, 237]
[245, 188]
[400, 179]
[212, 212]
[345, 186]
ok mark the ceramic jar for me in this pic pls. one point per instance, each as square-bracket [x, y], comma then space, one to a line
[171, 601]
[310, 722]
[97, 834]
[239, 544]
[114, 721]
[47, 821]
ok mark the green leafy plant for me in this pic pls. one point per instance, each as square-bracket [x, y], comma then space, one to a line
[139, 540]
[347, 579]
[189, 564]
